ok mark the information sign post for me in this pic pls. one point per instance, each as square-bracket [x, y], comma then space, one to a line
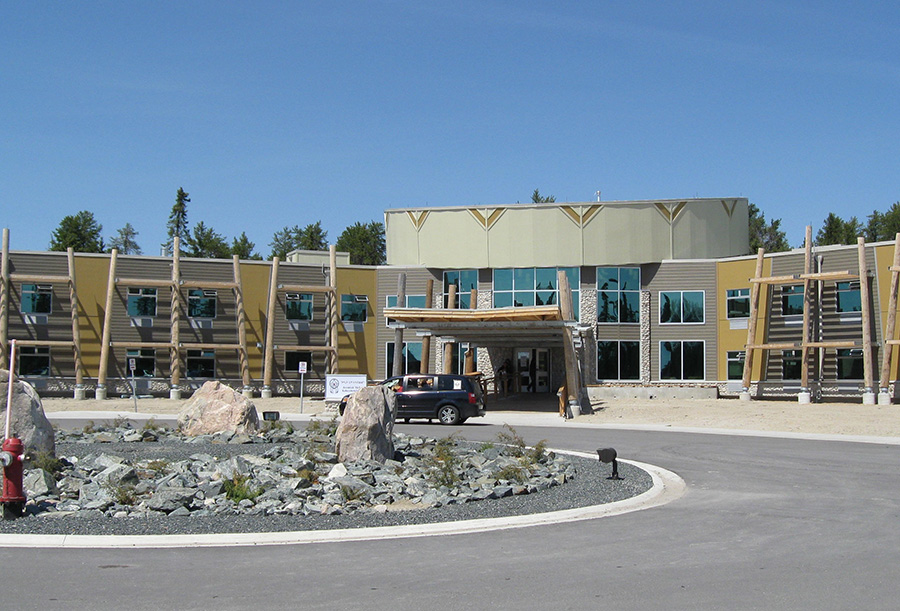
[302, 370]
[132, 365]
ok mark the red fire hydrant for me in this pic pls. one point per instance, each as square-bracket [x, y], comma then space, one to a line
[13, 498]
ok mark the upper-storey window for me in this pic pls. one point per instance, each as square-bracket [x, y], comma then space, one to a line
[848, 297]
[141, 302]
[202, 303]
[792, 299]
[534, 286]
[298, 306]
[465, 280]
[354, 308]
[412, 301]
[618, 294]
[737, 303]
[681, 307]
[37, 299]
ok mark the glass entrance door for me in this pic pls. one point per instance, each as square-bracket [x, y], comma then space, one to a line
[533, 369]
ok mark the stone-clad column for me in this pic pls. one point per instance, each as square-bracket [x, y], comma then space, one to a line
[645, 338]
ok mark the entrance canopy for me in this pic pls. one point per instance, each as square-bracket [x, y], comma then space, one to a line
[535, 325]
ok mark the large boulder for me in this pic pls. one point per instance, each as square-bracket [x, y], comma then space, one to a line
[366, 431]
[215, 408]
[27, 419]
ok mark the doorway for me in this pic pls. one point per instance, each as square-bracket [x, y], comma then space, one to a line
[533, 370]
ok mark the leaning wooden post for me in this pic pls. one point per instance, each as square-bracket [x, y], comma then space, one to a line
[470, 351]
[175, 322]
[449, 346]
[4, 301]
[426, 341]
[107, 327]
[398, 332]
[883, 397]
[270, 332]
[751, 325]
[334, 319]
[247, 391]
[864, 302]
[804, 396]
[573, 379]
[76, 332]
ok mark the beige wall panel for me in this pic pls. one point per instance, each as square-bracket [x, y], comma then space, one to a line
[707, 231]
[533, 237]
[623, 235]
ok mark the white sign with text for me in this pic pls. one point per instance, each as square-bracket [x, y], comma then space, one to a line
[339, 385]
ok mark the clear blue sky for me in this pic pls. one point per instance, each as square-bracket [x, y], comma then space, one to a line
[280, 113]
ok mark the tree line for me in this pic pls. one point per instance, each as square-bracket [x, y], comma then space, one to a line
[364, 241]
[879, 227]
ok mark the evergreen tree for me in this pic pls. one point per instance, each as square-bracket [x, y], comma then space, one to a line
[243, 248]
[177, 224]
[313, 237]
[537, 198]
[768, 236]
[883, 226]
[81, 232]
[836, 230]
[126, 241]
[284, 241]
[206, 243]
[365, 243]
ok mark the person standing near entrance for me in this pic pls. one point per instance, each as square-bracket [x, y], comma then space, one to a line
[532, 374]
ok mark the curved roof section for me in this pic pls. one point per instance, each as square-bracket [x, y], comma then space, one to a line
[567, 234]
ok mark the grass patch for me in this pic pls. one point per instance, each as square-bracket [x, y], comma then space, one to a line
[444, 463]
[123, 494]
[150, 425]
[513, 473]
[277, 425]
[517, 447]
[323, 427]
[46, 461]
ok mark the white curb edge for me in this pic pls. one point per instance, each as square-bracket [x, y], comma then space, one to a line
[667, 487]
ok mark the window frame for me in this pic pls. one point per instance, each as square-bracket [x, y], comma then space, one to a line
[463, 297]
[203, 355]
[735, 357]
[854, 356]
[681, 308]
[789, 294]
[139, 294]
[389, 358]
[301, 300]
[354, 299]
[198, 300]
[620, 293]
[36, 294]
[791, 359]
[850, 288]
[142, 355]
[619, 354]
[33, 353]
[415, 298]
[741, 294]
[681, 355]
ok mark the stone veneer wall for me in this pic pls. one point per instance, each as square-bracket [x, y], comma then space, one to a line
[587, 315]
[645, 337]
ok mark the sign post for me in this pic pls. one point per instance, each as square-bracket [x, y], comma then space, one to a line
[132, 365]
[302, 369]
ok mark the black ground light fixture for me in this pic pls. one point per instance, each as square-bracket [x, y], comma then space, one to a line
[609, 455]
[272, 416]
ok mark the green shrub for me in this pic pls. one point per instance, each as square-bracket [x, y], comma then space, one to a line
[150, 425]
[323, 427]
[158, 465]
[513, 473]
[309, 475]
[124, 494]
[238, 488]
[444, 463]
[46, 461]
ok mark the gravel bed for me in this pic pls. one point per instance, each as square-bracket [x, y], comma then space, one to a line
[589, 487]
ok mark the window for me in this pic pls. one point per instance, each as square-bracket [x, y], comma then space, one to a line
[37, 299]
[737, 303]
[465, 280]
[790, 364]
[792, 300]
[292, 361]
[412, 301]
[141, 302]
[298, 306]
[735, 360]
[681, 307]
[682, 360]
[202, 303]
[618, 294]
[201, 364]
[534, 286]
[33, 361]
[849, 364]
[412, 358]
[848, 298]
[618, 360]
[354, 308]
[145, 362]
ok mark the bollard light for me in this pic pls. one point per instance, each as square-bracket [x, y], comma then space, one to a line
[607, 455]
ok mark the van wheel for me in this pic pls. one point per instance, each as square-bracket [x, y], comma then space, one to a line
[448, 414]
